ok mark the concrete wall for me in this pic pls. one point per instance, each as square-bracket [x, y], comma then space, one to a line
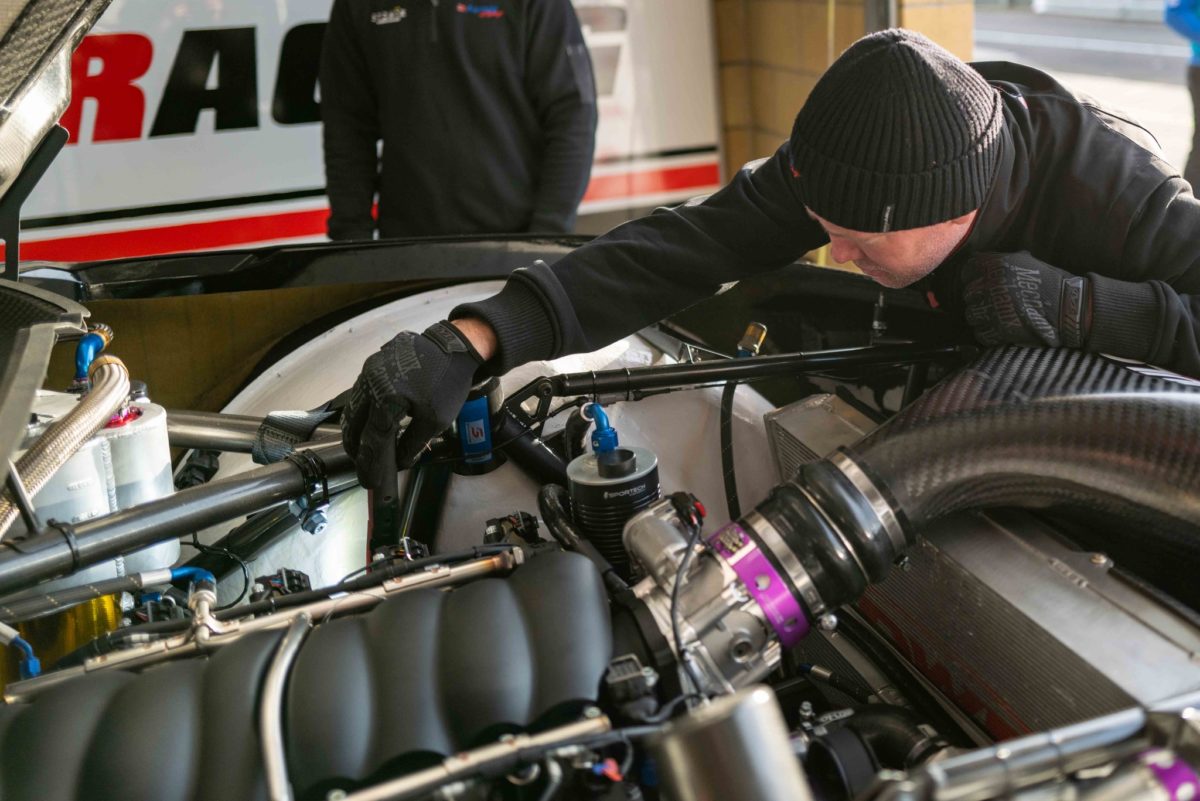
[771, 53]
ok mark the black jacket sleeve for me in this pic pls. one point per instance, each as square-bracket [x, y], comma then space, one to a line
[349, 111]
[560, 85]
[1155, 296]
[650, 268]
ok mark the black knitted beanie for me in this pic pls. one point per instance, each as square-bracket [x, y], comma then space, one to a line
[898, 133]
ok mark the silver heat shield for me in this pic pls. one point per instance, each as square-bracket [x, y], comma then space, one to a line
[811, 429]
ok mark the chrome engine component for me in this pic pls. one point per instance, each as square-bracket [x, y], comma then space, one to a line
[756, 762]
[1054, 636]
[811, 429]
[123, 465]
[725, 629]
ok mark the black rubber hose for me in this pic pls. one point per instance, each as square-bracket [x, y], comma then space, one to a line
[843, 761]
[529, 452]
[728, 470]
[552, 505]
[574, 434]
[894, 735]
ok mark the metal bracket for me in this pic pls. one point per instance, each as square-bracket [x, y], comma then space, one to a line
[22, 500]
[10, 204]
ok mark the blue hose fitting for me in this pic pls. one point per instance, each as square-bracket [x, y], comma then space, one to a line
[30, 665]
[196, 575]
[85, 353]
[604, 436]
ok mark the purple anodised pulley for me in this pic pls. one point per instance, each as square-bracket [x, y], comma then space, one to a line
[763, 581]
[1175, 776]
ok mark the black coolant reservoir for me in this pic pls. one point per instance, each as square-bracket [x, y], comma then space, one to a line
[609, 486]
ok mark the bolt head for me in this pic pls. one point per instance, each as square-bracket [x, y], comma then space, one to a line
[1099, 559]
[828, 622]
[315, 523]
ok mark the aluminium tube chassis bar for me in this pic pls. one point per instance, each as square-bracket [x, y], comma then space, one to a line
[669, 376]
[630, 380]
[58, 551]
[230, 433]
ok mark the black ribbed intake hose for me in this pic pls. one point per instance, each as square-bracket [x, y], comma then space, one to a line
[1021, 427]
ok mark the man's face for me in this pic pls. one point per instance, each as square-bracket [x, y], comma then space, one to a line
[897, 258]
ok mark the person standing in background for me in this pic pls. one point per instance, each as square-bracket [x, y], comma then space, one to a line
[486, 113]
[1183, 16]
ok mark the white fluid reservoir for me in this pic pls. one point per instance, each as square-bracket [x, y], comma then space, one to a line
[119, 467]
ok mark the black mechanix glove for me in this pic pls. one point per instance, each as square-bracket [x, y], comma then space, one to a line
[1015, 299]
[426, 376]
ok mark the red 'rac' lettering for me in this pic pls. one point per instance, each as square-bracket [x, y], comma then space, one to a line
[121, 106]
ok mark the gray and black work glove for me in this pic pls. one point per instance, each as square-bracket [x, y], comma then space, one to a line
[1016, 299]
[425, 376]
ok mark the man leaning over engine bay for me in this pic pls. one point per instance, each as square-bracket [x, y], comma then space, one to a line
[1040, 217]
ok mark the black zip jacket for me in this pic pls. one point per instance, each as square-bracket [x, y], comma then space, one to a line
[1077, 187]
[486, 111]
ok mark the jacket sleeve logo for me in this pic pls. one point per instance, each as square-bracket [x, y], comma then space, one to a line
[481, 11]
[389, 16]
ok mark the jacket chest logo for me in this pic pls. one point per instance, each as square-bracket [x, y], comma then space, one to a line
[389, 16]
[481, 11]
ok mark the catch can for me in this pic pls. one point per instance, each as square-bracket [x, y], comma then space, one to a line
[124, 464]
[609, 486]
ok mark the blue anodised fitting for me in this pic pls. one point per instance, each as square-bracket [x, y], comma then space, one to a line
[196, 575]
[475, 430]
[30, 666]
[85, 353]
[604, 436]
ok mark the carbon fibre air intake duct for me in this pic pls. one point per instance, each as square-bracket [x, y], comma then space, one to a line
[1020, 427]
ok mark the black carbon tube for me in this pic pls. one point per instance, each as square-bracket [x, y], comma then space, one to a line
[534, 457]
[1026, 427]
[1021, 427]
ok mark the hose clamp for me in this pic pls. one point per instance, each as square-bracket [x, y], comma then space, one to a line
[105, 360]
[316, 477]
[879, 505]
[68, 533]
[772, 540]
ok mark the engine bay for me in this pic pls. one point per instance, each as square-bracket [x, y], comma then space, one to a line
[972, 582]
